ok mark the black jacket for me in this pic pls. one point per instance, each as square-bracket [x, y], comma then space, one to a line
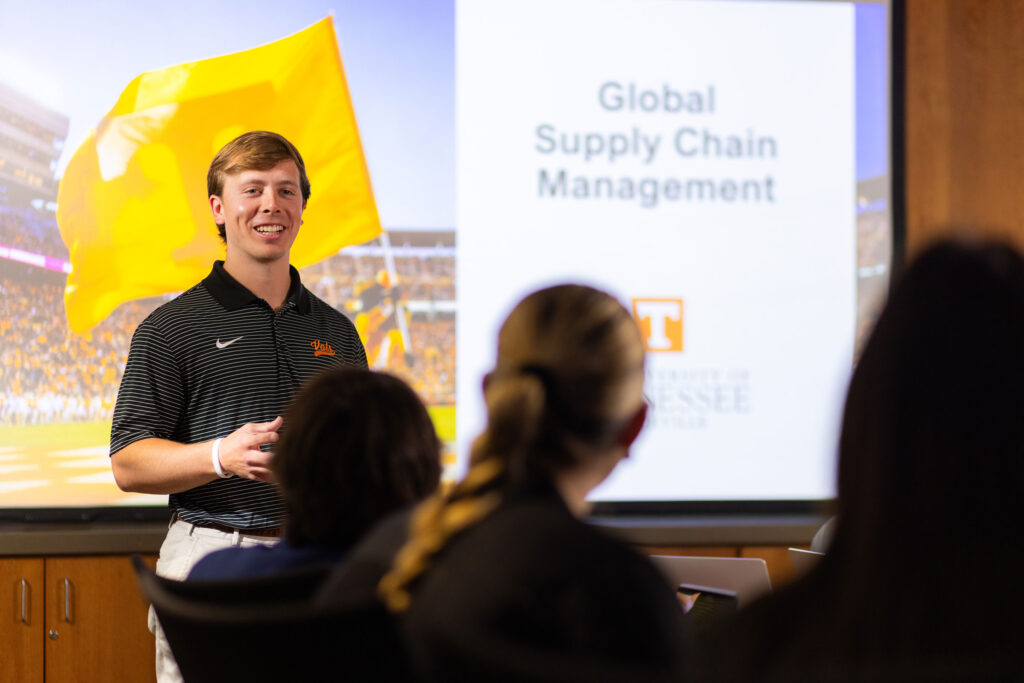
[529, 593]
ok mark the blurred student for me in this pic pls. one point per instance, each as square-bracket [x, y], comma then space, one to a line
[356, 446]
[921, 580]
[500, 580]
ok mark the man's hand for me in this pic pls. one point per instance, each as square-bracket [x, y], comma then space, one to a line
[161, 466]
[240, 451]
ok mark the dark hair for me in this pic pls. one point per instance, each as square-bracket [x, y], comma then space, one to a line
[568, 378]
[930, 484]
[356, 445]
[258, 149]
[931, 454]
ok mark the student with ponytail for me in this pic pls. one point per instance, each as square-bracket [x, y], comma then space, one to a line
[499, 578]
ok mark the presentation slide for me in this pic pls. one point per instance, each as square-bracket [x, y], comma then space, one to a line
[720, 166]
[702, 169]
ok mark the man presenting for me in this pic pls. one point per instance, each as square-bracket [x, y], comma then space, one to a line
[209, 374]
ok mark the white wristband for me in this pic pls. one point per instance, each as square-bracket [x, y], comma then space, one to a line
[215, 457]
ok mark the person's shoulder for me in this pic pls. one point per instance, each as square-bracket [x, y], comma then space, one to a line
[321, 308]
[521, 534]
[169, 315]
[617, 553]
[230, 563]
[547, 520]
[354, 581]
[571, 545]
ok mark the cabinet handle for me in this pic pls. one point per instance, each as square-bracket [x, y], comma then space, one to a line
[24, 601]
[67, 600]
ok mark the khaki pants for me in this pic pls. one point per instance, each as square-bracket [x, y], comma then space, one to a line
[183, 547]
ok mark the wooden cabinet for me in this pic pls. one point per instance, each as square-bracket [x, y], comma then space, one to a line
[21, 619]
[84, 620]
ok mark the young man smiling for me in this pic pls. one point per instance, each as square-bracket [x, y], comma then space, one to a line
[210, 373]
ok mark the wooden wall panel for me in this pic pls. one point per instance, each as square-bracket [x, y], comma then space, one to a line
[964, 102]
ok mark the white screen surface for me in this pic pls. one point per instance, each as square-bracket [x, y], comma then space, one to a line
[701, 168]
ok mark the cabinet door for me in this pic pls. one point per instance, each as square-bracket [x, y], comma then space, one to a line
[21, 619]
[96, 621]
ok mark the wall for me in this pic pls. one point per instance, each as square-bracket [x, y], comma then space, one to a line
[964, 119]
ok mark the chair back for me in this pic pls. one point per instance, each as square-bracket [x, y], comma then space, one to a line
[223, 630]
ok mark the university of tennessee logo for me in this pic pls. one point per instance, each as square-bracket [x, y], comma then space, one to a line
[321, 348]
[661, 323]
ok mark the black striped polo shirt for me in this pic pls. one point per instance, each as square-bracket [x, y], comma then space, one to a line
[214, 359]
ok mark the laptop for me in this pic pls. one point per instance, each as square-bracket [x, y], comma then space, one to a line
[747, 577]
[803, 560]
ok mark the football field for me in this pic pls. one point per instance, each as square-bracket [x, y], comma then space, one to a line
[60, 465]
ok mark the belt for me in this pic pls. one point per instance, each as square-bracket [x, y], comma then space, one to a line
[272, 532]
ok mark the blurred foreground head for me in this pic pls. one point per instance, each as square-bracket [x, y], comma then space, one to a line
[932, 446]
[921, 580]
[931, 471]
[356, 446]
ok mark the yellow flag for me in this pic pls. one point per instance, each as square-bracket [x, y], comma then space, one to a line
[132, 205]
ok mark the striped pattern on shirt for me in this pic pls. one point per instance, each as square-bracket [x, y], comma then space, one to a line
[215, 358]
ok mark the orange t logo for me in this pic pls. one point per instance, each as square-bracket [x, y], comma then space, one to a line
[661, 323]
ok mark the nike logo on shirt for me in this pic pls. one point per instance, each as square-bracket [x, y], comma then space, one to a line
[224, 345]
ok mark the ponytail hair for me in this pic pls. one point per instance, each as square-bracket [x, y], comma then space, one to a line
[569, 374]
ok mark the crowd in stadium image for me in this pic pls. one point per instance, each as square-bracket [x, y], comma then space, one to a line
[54, 376]
[31, 230]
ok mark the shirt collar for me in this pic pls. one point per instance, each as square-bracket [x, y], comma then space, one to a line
[232, 294]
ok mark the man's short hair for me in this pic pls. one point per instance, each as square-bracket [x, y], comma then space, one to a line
[258, 149]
